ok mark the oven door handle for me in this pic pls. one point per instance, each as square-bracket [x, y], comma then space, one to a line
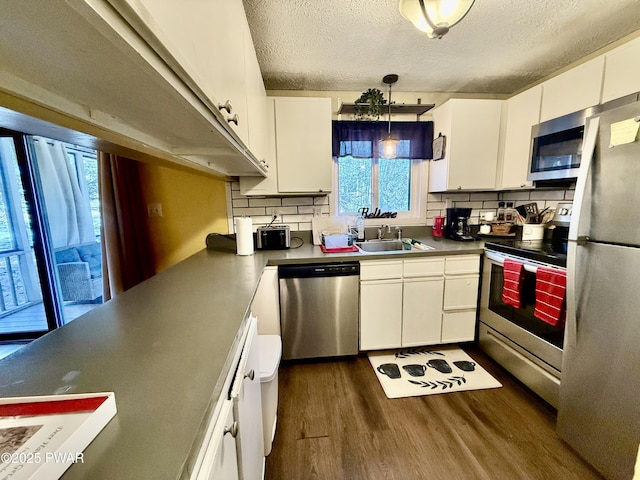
[499, 260]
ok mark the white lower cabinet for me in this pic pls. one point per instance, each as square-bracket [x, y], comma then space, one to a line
[266, 302]
[422, 311]
[232, 447]
[462, 277]
[458, 326]
[380, 314]
[380, 304]
[220, 460]
[421, 301]
[247, 409]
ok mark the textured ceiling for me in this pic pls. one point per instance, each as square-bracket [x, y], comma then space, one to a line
[500, 47]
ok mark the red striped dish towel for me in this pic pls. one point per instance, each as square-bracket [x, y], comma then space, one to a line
[550, 289]
[512, 285]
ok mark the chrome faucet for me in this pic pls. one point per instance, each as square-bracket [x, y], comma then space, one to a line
[398, 232]
[382, 230]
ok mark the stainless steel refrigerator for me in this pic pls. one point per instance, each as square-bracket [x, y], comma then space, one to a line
[599, 414]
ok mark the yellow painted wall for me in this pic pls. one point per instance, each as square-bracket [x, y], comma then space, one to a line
[193, 206]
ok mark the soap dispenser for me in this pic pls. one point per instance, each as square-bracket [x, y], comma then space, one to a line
[360, 226]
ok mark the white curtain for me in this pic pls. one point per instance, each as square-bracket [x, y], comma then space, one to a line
[68, 208]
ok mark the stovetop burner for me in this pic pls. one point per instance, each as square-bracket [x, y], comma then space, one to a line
[552, 252]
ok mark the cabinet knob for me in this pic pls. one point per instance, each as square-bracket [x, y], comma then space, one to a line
[251, 375]
[459, 187]
[226, 106]
[233, 430]
[523, 184]
[233, 119]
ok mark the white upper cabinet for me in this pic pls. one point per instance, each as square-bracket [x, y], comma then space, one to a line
[622, 71]
[303, 144]
[257, 113]
[573, 90]
[207, 40]
[472, 131]
[140, 77]
[298, 148]
[269, 184]
[523, 112]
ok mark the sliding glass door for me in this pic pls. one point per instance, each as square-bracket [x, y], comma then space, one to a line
[50, 254]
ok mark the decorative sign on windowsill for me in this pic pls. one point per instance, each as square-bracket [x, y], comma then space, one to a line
[378, 214]
[438, 147]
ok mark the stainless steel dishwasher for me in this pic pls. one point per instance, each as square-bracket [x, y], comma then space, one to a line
[319, 309]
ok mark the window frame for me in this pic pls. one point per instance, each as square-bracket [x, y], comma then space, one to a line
[419, 182]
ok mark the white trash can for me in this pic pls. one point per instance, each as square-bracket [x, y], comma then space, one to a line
[270, 348]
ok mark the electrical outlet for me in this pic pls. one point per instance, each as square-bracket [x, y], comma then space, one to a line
[154, 209]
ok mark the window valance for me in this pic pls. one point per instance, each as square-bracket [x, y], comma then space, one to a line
[360, 139]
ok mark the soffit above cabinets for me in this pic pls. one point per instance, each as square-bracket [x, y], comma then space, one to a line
[80, 60]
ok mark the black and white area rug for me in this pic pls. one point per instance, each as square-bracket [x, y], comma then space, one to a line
[412, 372]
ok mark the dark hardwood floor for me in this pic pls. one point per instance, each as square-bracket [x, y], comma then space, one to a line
[335, 422]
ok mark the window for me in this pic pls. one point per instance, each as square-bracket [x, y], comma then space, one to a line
[50, 263]
[366, 179]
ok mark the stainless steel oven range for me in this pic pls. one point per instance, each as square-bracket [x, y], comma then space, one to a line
[524, 345]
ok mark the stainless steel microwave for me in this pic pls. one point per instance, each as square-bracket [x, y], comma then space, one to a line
[556, 147]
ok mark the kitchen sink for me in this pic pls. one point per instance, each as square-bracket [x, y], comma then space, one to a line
[388, 245]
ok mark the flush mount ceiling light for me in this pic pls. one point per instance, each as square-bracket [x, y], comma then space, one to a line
[389, 145]
[435, 17]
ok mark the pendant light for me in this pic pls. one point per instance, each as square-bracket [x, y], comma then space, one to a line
[435, 17]
[389, 145]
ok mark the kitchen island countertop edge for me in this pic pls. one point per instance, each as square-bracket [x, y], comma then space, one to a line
[165, 348]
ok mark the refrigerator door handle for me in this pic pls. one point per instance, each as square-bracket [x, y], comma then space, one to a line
[575, 239]
[582, 240]
[571, 325]
[588, 149]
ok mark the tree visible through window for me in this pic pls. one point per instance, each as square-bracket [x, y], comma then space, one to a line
[365, 178]
[391, 192]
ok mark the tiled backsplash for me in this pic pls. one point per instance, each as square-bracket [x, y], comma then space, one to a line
[437, 203]
[297, 211]
[293, 211]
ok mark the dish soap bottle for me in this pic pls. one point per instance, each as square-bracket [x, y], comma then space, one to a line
[360, 226]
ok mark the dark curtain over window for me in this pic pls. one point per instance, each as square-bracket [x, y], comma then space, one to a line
[360, 139]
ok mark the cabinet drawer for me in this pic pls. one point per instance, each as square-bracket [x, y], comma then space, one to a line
[458, 326]
[423, 267]
[461, 264]
[461, 292]
[380, 269]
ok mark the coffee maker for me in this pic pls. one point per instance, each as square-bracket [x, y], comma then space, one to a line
[457, 227]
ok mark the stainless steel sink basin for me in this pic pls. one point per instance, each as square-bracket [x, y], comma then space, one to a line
[388, 245]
